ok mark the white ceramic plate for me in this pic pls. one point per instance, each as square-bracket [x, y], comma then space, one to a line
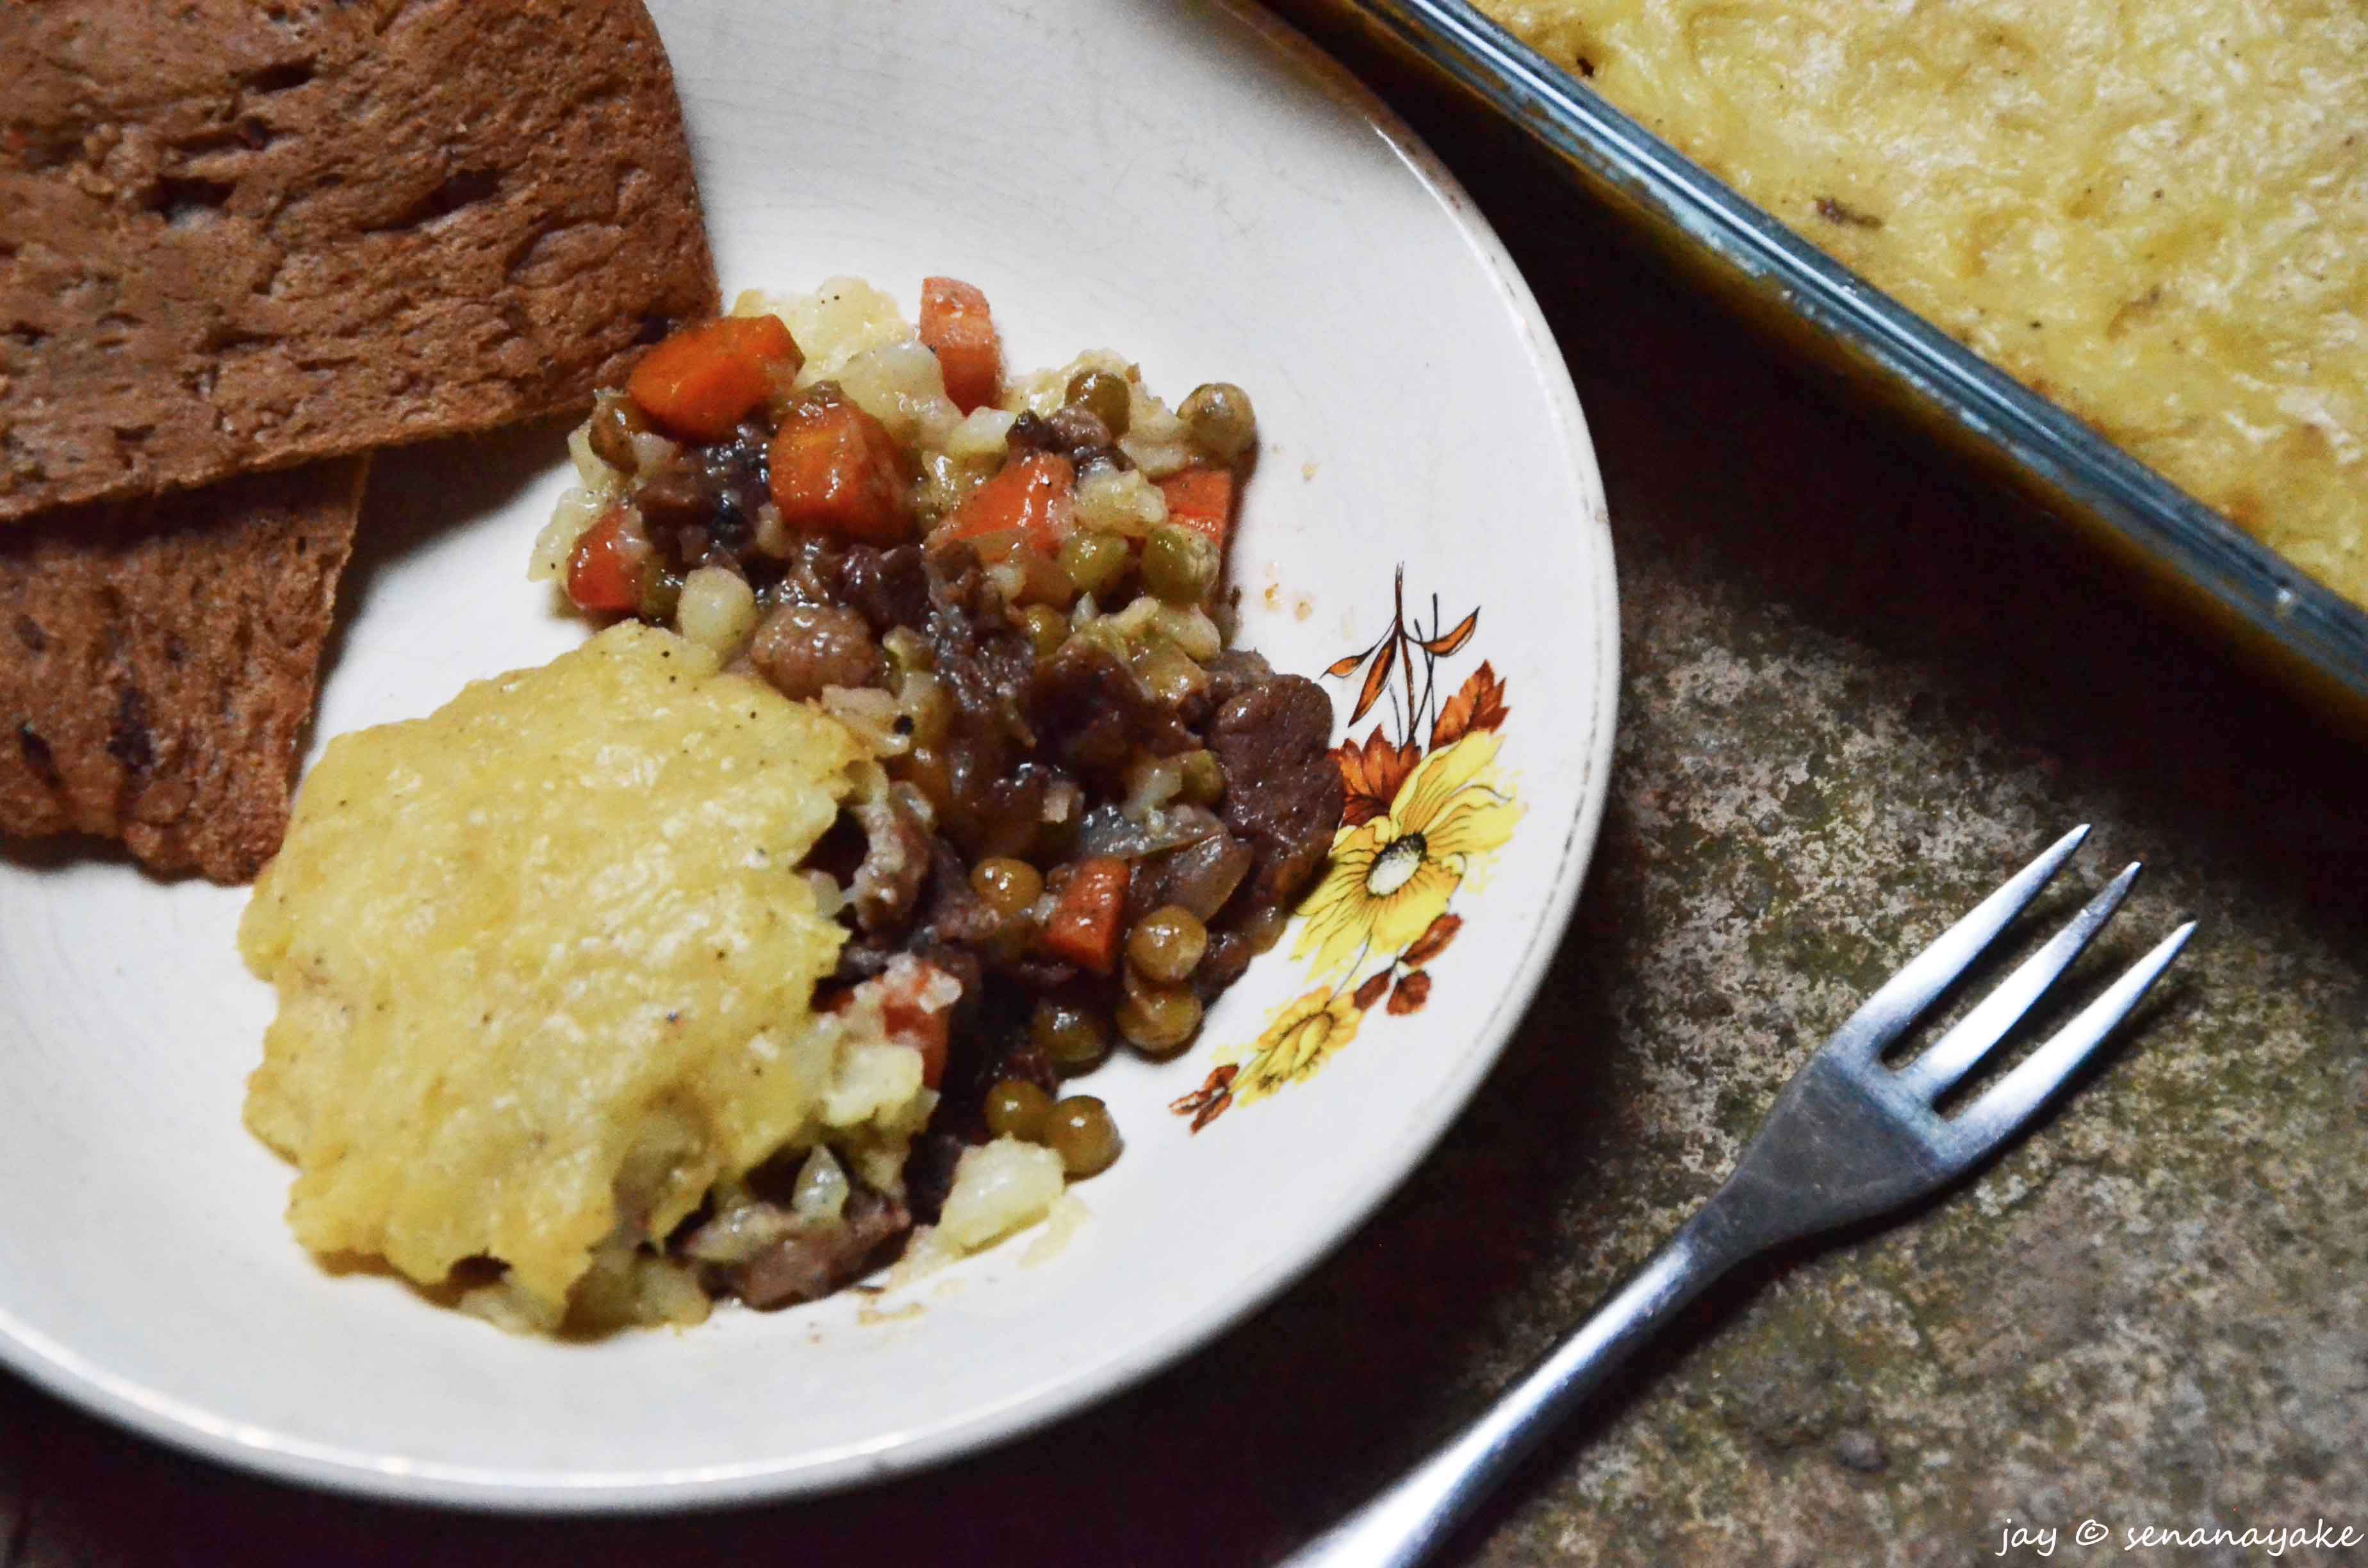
[1184, 182]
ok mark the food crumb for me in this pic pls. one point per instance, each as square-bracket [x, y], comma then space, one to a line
[1307, 470]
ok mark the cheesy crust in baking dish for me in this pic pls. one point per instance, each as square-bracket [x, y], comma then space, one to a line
[2156, 215]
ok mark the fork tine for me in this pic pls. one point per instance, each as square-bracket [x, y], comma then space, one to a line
[2009, 1103]
[1905, 994]
[1930, 1075]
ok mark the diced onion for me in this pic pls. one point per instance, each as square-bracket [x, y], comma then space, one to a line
[590, 469]
[1109, 501]
[578, 511]
[900, 384]
[999, 1187]
[718, 610]
[1157, 440]
[870, 714]
[980, 436]
[821, 1190]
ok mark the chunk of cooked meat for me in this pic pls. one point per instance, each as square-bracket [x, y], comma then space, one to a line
[1282, 791]
[802, 648]
[891, 587]
[1087, 706]
[816, 1258]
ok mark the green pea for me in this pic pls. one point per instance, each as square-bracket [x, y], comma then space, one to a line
[1080, 1130]
[1179, 564]
[1072, 1036]
[661, 594]
[1095, 562]
[1165, 945]
[1158, 1020]
[1219, 416]
[1008, 885]
[1104, 396]
[1016, 1109]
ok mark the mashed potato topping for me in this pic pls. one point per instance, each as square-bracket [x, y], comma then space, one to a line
[545, 965]
[2157, 214]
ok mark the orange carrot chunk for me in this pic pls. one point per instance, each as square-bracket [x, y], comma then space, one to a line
[604, 571]
[905, 1015]
[1088, 915]
[1200, 499]
[835, 469]
[930, 1033]
[1032, 497]
[957, 328]
[704, 379]
[909, 1021]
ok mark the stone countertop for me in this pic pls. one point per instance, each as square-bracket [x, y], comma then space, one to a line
[1860, 685]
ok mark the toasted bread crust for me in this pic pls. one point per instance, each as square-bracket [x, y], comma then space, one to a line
[158, 661]
[243, 235]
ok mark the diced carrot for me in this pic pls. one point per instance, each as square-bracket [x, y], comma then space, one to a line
[835, 469]
[1200, 499]
[907, 1017]
[956, 327]
[926, 1032]
[604, 571]
[704, 379]
[1087, 913]
[1032, 497]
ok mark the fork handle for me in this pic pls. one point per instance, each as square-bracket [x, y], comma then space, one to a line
[1404, 1524]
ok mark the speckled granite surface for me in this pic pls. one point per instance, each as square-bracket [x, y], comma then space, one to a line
[1860, 688]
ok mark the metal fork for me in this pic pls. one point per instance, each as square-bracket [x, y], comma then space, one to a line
[1848, 1140]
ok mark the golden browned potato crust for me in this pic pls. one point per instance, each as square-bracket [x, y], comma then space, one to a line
[2157, 215]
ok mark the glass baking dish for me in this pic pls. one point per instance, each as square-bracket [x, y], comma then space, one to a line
[1774, 275]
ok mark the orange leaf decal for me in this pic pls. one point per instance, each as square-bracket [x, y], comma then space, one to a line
[1210, 1101]
[1413, 991]
[1478, 704]
[1454, 639]
[1433, 942]
[1374, 681]
[1370, 992]
[1372, 773]
[1342, 666]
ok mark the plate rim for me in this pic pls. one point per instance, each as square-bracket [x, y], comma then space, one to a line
[190, 1429]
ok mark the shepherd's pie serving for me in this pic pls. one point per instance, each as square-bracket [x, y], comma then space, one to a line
[546, 972]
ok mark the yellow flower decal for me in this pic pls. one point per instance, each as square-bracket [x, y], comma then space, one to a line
[1391, 877]
[1300, 1039]
[1413, 826]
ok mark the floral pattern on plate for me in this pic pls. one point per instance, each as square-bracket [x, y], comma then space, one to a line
[1426, 808]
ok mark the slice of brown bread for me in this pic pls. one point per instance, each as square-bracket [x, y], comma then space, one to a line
[157, 663]
[245, 234]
